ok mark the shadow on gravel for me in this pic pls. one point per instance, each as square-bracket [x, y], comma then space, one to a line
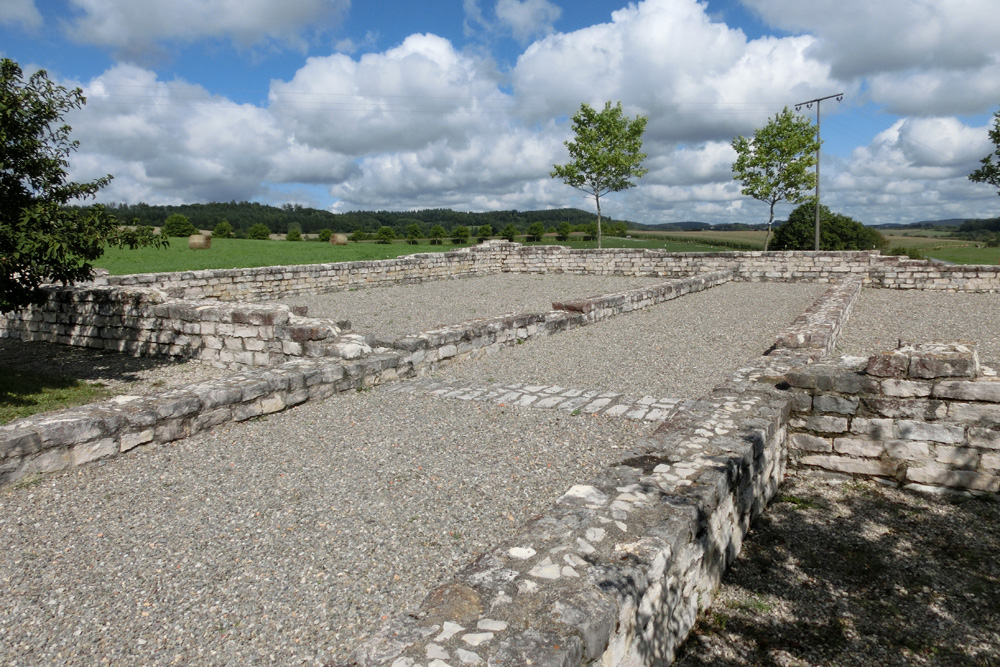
[859, 574]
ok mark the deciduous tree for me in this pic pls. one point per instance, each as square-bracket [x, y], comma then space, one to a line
[606, 154]
[774, 165]
[990, 171]
[44, 235]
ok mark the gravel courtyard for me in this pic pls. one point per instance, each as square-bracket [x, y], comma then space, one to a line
[288, 539]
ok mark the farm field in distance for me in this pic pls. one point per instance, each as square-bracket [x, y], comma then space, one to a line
[244, 253]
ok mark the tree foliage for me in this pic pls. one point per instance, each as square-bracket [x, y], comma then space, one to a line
[606, 154]
[385, 235]
[178, 225]
[223, 230]
[837, 231]
[990, 171]
[43, 238]
[259, 232]
[774, 165]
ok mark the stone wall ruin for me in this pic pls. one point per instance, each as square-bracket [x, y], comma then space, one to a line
[617, 570]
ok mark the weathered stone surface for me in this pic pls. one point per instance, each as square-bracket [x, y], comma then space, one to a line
[968, 390]
[844, 405]
[943, 475]
[874, 467]
[858, 447]
[917, 430]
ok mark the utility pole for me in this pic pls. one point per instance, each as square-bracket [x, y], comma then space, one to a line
[809, 105]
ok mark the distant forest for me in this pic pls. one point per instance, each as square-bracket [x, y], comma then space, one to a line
[243, 215]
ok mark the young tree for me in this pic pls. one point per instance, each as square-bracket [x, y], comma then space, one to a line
[606, 154]
[413, 233]
[990, 171]
[436, 234]
[774, 165]
[42, 237]
[485, 231]
[460, 235]
[563, 231]
[535, 231]
[259, 232]
[509, 232]
[385, 234]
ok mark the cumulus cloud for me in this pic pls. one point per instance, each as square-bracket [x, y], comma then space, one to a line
[924, 57]
[418, 93]
[134, 27]
[527, 18]
[861, 37]
[915, 170]
[696, 79]
[21, 13]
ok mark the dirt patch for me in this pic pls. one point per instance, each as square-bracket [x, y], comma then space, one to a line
[854, 573]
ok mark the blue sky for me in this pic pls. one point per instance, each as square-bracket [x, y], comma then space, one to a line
[464, 104]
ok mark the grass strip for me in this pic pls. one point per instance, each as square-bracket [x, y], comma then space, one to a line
[24, 393]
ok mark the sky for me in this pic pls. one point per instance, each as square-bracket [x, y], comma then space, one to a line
[466, 104]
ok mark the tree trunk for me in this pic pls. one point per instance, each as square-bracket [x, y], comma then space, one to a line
[767, 237]
[598, 200]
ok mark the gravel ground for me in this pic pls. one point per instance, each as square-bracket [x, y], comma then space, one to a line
[677, 349]
[120, 373]
[855, 573]
[881, 317]
[281, 541]
[393, 311]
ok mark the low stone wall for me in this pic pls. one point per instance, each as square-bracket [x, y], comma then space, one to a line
[922, 416]
[59, 440]
[145, 322]
[818, 329]
[617, 570]
[55, 441]
[469, 339]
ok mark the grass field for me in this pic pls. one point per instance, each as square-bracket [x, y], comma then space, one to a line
[23, 393]
[242, 253]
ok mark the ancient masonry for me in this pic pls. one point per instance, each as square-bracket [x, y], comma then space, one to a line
[617, 570]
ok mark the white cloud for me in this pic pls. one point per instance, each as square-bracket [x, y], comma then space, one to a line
[862, 37]
[915, 170]
[21, 13]
[527, 18]
[410, 96]
[134, 27]
[695, 79]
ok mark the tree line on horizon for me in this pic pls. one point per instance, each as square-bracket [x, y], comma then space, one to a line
[280, 220]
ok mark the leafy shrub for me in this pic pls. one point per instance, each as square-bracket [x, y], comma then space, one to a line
[484, 232]
[259, 232]
[460, 235]
[509, 232]
[178, 225]
[413, 233]
[324, 235]
[359, 235]
[589, 231]
[385, 234]
[563, 231]
[293, 235]
[436, 234]
[223, 230]
[837, 232]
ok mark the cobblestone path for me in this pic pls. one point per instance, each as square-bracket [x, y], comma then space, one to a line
[554, 397]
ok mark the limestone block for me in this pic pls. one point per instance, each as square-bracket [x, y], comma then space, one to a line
[959, 457]
[987, 437]
[965, 390]
[943, 475]
[809, 443]
[843, 405]
[878, 429]
[875, 467]
[858, 447]
[909, 450]
[133, 439]
[990, 461]
[92, 451]
[918, 430]
[974, 412]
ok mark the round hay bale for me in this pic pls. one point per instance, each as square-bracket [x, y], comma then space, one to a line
[199, 242]
[338, 239]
